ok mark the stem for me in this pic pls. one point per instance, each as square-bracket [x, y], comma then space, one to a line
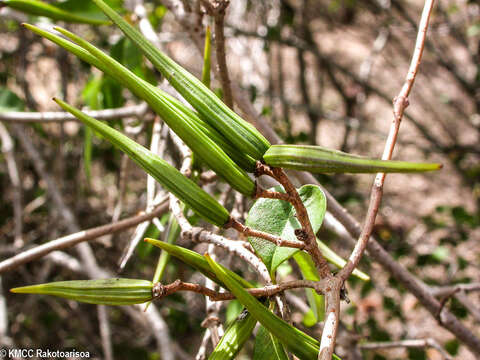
[306, 234]
[245, 230]
[161, 291]
[399, 105]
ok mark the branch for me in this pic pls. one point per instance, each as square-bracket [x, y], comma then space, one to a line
[277, 240]
[439, 291]
[306, 235]
[414, 343]
[78, 237]
[161, 291]
[399, 105]
[7, 151]
[348, 222]
[59, 116]
[217, 10]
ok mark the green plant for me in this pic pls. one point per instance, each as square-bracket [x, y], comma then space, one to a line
[281, 224]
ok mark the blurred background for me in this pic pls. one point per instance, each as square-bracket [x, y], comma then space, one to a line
[319, 72]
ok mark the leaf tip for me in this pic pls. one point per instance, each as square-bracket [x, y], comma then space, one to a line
[20, 290]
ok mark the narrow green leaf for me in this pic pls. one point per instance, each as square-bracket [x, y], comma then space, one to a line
[173, 232]
[54, 11]
[185, 189]
[234, 338]
[182, 125]
[207, 51]
[239, 132]
[196, 261]
[277, 217]
[317, 159]
[267, 347]
[102, 292]
[299, 343]
[244, 161]
[91, 95]
[310, 272]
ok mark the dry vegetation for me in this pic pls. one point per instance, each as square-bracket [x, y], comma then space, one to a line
[321, 73]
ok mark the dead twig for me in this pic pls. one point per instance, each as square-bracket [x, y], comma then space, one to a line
[414, 343]
[7, 151]
[78, 237]
[60, 116]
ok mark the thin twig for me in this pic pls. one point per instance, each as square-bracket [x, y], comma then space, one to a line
[202, 350]
[277, 240]
[350, 224]
[414, 343]
[161, 291]
[59, 116]
[7, 151]
[399, 106]
[400, 103]
[105, 332]
[451, 289]
[306, 233]
[78, 237]
[217, 9]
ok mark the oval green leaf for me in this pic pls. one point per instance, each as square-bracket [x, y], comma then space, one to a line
[277, 217]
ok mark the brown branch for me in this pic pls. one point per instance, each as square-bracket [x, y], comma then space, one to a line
[161, 291]
[277, 240]
[78, 237]
[351, 225]
[306, 234]
[332, 313]
[399, 105]
[450, 290]
[414, 343]
[217, 10]
[263, 193]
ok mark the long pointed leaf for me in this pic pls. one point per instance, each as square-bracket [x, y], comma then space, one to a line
[317, 159]
[239, 132]
[196, 261]
[103, 291]
[185, 189]
[234, 338]
[40, 8]
[244, 161]
[299, 343]
[186, 129]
